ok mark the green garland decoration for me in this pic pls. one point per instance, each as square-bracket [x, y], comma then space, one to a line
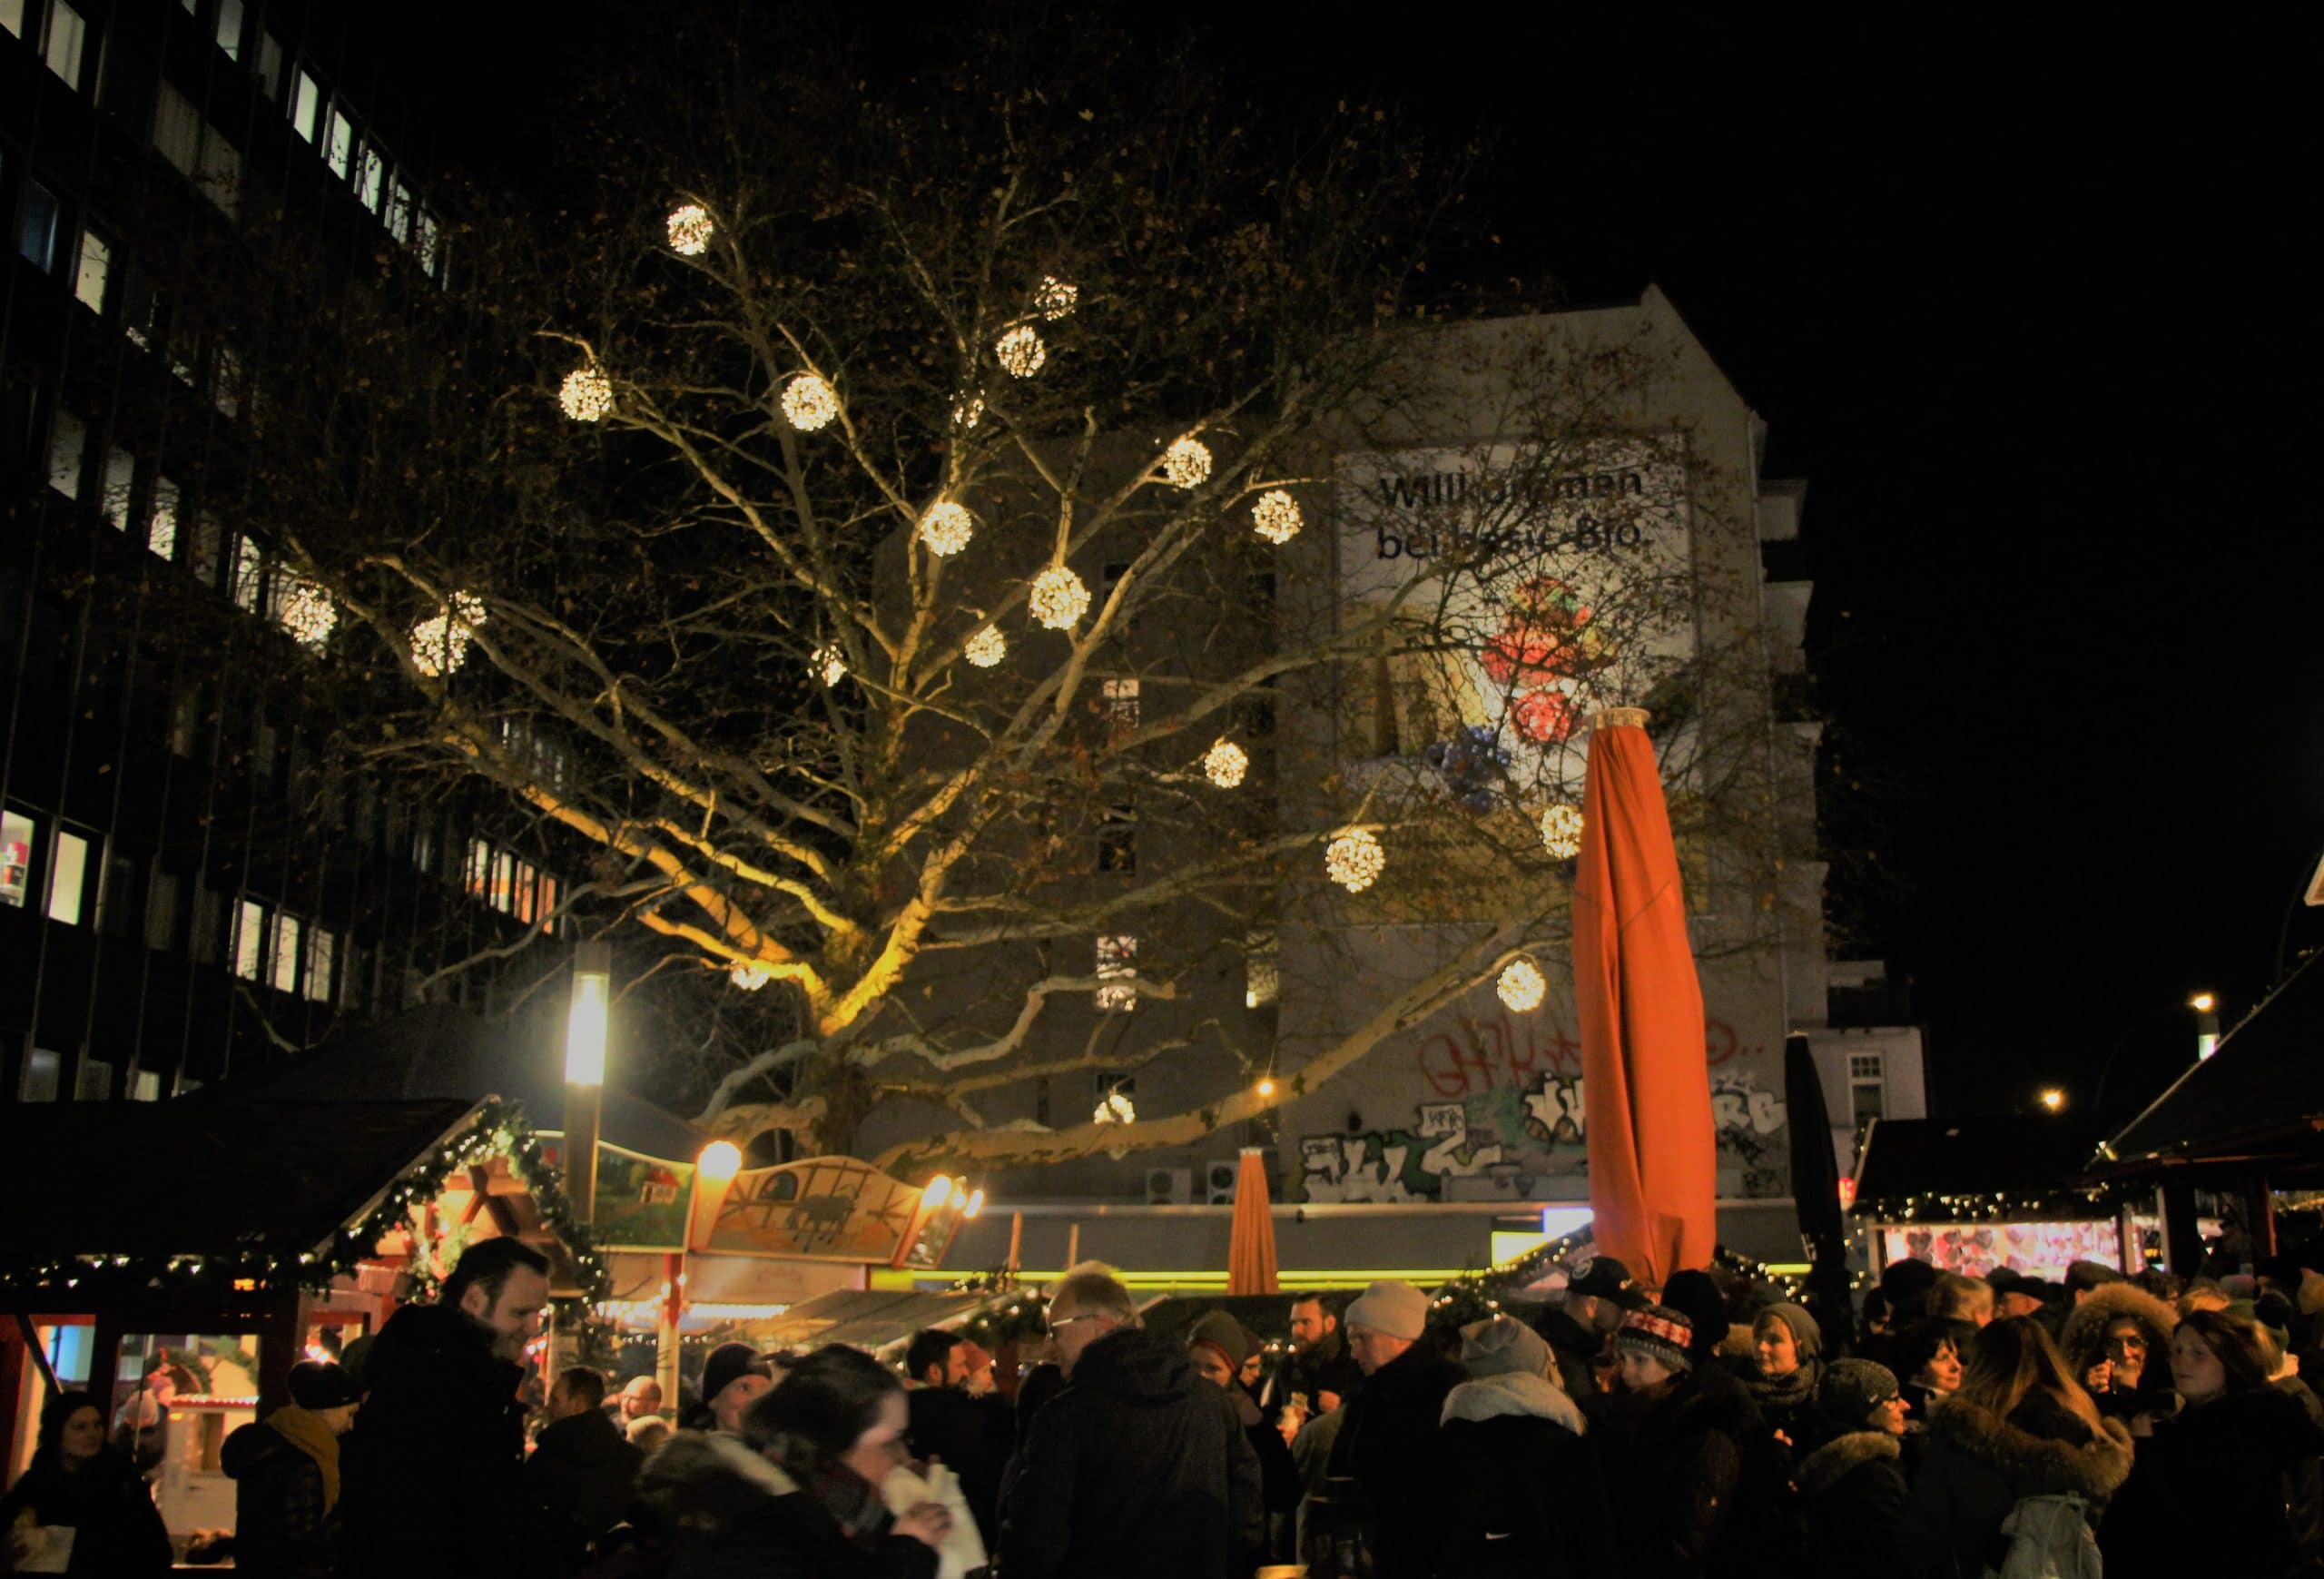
[1478, 1295]
[1025, 1315]
[498, 1128]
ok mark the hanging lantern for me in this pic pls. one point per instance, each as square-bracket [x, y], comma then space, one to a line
[690, 230]
[586, 395]
[1224, 764]
[946, 529]
[1521, 985]
[829, 663]
[1020, 351]
[987, 647]
[308, 613]
[809, 402]
[1562, 832]
[1056, 299]
[1275, 517]
[1354, 860]
[440, 645]
[968, 412]
[750, 975]
[1187, 463]
[1058, 598]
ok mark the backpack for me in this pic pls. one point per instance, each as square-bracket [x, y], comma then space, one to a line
[2046, 1537]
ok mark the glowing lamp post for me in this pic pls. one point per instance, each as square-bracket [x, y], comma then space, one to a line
[714, 1175]
[585, 1069]
[2206, 1007]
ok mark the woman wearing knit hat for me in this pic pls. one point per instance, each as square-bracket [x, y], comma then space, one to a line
[1672, 1449]
[1785, 1349]
[1218, 1345]
[1511, 1447]
[1852, 1487]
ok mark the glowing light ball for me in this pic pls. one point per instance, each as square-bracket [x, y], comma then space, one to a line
[1562, 832]
[690, 230]
[987, 647]
[1521, 985]
[809, 402]
[1275, 517]
[1187, 463]
[440, 645]
[1224, 764]
[829, 663]
[967, 413]
[946, 529]
[750, 975]
[1354, 860]
[1117, 1108]
[308, 614]
[1020, 351]
[1058, 598]
[586, 395]
[1056, 299]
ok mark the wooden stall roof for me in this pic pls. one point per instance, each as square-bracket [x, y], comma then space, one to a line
[868, 1319]
[2002, 1154]
[211, 1179]
[2261, 1095]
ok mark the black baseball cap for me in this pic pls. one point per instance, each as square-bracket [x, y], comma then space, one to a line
[1608, 1278]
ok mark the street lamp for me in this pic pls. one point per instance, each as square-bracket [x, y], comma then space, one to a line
[2053, 1099]
[2206, 1007]
[585, 1069]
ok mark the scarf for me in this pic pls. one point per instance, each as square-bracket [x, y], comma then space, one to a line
[852, 1502]
[1790, 1392]
[312, 1434]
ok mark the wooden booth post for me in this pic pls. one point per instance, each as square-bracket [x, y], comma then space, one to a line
[2183, 1242]
[2260, 1217]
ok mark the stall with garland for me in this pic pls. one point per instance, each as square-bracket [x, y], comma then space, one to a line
[1971, 1195]
[176, 1259]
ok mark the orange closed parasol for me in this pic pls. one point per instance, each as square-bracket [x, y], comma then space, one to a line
[1653, 1153]
[1250, 1245]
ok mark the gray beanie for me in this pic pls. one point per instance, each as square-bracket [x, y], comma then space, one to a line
[1502, 1347]
[1389, 1305]
[1805, 1332]
[1852, 1388]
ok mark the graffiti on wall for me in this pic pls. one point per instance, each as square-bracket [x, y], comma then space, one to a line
[1501, 1137]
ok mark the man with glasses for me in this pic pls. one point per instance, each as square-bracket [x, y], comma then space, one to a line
[1138, 1466]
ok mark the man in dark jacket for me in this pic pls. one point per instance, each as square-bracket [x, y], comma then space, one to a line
[285, 1470]
[1320, 1365]
[1388, 1442]
[973, 1435]
[583, 1471]
[1577, 1328]
[1139, 1468]
[433, 1464]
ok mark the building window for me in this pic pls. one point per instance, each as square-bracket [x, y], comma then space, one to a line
[185, 720]
[1864, 1066]
[15, 858]
[306, 104]
[209, 549]
[230, 28]
[338, 142]
[1121, 703]
[430, 232]
[117, 893]
[68, 436]
[11, 18]
[37, 231]
[95, 1083]
[249, 574]
[370, 176]
[68, 870]
[219, 176]
[44, 1073]
[1118, 958]
[321, 946]
[177, 130]
[96, 267]
[269, 65]
[1262, 973]
[161, 911]
[68, 42]
[1117, 839]
[209, 925]
[226, 381]
[120, 483]
[249, 952]
[161, 533]
[144, 1086]
[398, 215]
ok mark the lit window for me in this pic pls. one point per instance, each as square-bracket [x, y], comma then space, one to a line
[68, 39]
[526, 883]
[95, 268]
[322, 945]
[548, 902]
[477, 877]
[399, 212]
[66, 872]
[36, 232]
[44, 1071]
[429, 233]
[144, 1086]
[1121, 703]
[162, 537]
[250, 940]
[95, 1084]
[338, 142]
[15, 857]
[370, 176]
[306, 104]
[121, 479]
[1117, 957]
[230, 28]
[209, 548]
[68, 436]
[269, 65]
[249, 574]
[284, 952]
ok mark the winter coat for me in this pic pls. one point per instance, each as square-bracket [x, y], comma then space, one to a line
[579, 1481]
[1523, 1496]
[1327, 1367]
[1975, 1465]
[1278, 1475]
[722, 1510]
[440, 1430]
[283, 1519]
[2208, 1494]
[116, 1529]
[1139, 1469]
[1388, 1445]
[973, 1437]
[2081, 1338]
[1673, 1465]
[1852, 1496]
[1576, 1348]
[2304, 1486]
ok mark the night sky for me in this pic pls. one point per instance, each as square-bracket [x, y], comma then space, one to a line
[2023, 306]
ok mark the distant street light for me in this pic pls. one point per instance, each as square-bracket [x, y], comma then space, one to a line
[2053, 1099]
[2206, 1007]
[584, 1070]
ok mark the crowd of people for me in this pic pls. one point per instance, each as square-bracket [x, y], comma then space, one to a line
[1954, 1427]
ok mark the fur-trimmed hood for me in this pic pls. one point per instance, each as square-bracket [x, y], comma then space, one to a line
[2036, 1464]
[2084, 1336]
[705, 1480]
[1822, 1470]
[1489, 1397]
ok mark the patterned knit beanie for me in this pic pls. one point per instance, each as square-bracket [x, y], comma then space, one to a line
[1659, 1332]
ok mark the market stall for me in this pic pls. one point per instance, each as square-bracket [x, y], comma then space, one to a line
[1971, 1194]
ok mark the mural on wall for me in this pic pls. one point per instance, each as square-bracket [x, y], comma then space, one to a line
[1504, 1109]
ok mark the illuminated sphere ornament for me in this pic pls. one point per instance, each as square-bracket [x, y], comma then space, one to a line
[586, 395]
[1187, 463]
[1020, 351]
[308, 614]
[968, 412]
[1354, 860]
[690, 230]
[1562, 832]
[750, 975]
[987, 647]
[1117, 1108]
[1058, 598]
[829, 663]
[440, 645]
[1521, 985]
[1275, 517]
[946, 529]
[810, 402]
[1056, 299]
[1224, 764]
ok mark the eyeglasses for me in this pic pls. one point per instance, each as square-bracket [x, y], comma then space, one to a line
[1058, 1322]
